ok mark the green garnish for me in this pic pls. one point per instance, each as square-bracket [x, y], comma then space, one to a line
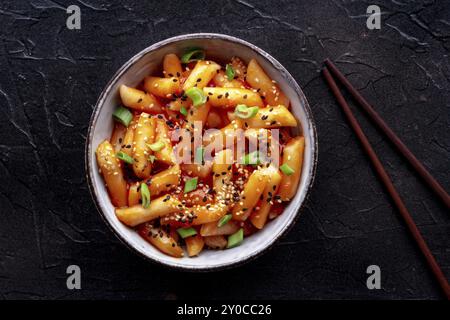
[145, 195]
[193, 54]
[230, 72]
[199, 155]
[186, 232]
[252, 158]
[151, 158]
[183, 111]
[157, 146]
[286, 169]
[190, 185]
[124, 157]
[244, 112]
[196, 95]
[123, 115]
[236, 238]
[224, 220]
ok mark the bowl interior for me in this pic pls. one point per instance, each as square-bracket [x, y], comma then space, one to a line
[145, 63]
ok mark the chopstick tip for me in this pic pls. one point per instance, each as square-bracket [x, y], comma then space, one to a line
[325, 71]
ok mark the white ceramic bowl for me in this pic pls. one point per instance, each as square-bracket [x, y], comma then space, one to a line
[221, 47]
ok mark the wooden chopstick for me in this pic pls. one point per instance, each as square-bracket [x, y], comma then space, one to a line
[415, 163]
[389, 185]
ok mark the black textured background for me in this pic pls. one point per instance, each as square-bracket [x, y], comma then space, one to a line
[51, 77]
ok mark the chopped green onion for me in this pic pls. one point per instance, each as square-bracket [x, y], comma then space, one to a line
[230, 72]
[145, 195]
[236, 238]
[123, 115]
[197, 96]
[286, 169]
[199, 155]
[190, 185]
[244, 112]
[224, 220]
[124, 157]
[151, 158]
[252, 158]
[157, 146]
[186, 232]
[193, 54]
[183, 111]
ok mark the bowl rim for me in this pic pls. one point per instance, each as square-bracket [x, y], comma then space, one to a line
[291, 82]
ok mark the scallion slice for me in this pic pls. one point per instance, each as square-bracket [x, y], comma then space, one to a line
[252, 158]
[235, 239]
[123, 115]
[124, 157]
[190, 185]
[151, 158]
[157, 146]
[193, 54]
[224, 220]
[199, 155]
[145, 195]
[244, 112]
[230, 72]
[186, 232]
[183, 111]
[287, 170]
[196, 95]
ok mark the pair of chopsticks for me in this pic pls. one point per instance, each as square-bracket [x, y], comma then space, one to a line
[419, 168]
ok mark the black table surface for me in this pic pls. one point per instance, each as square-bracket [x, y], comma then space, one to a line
[51, 78]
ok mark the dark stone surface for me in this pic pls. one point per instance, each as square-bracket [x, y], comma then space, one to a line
[51, 78]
